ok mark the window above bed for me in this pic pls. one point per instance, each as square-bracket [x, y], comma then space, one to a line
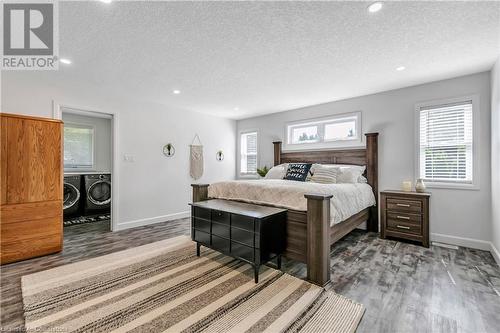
[332, 131]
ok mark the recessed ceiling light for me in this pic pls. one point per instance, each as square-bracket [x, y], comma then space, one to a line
[375, 7]
[65, 61]
[236, 108]
[106, 1]
[177, 92]
[400, 68]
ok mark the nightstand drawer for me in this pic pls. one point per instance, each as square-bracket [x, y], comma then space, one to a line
[415, 219]
[400, 205]
[404, 227]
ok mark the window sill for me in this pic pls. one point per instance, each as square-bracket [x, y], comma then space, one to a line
[447, 186]
[324, 146]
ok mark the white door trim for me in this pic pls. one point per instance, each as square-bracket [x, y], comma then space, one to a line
[94, 112]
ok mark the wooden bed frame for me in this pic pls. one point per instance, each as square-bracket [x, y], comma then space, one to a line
[309, 235]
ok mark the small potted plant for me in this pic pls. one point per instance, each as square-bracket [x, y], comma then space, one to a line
[263, 171]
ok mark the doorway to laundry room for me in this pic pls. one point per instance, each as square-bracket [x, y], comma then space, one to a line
[88, 157]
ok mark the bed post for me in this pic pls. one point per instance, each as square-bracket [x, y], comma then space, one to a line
[200, 192]
[372, 176]
[277, 152]
[318, 239]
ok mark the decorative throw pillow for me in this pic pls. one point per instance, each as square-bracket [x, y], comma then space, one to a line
[297, 171]
[325, 175]
[277, 172]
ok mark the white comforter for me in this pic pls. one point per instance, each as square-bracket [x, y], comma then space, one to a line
[348, 199]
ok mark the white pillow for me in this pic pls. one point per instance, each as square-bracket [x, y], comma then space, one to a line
[348, 173]
[362, 180]
[325, 175]
[349, 176]
[277, 172]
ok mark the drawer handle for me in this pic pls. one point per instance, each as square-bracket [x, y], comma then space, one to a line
[402, 205]
[402, 217]
[403, 227]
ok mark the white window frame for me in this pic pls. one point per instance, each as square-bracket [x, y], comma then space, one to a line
[88, 126]
[475, 142]
[246, 174]
[357, 141]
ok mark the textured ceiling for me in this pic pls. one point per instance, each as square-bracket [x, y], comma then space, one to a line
[263, 57]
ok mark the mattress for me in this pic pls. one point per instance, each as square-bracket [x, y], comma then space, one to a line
[347, 200]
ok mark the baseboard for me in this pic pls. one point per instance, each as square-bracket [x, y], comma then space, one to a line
[462, 241]
[495, 253]
[152, 220]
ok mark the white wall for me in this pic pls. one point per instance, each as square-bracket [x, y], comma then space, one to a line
[495, 159]
[102, 139]
[457, 216]
[154, 188]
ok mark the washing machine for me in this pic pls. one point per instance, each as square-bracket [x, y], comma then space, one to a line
[97, 193]
[72, 195]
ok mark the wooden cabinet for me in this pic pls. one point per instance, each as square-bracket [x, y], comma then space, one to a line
[31, 187]
[252, 233]
[405, 215]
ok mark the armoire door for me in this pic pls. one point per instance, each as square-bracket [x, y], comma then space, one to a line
[31, 195]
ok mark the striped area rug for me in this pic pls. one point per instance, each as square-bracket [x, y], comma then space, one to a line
[164, 287]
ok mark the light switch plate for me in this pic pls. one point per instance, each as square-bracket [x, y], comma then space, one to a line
[128, 158]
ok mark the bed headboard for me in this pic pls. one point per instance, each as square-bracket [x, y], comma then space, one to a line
[365, 156]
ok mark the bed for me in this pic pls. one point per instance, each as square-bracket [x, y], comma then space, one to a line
[328, 212]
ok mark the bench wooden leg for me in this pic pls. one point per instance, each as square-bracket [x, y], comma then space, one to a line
[256, 273]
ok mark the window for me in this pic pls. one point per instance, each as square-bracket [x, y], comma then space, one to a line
[78, 146]
[338, 130]
[446, 143]
[248, 162]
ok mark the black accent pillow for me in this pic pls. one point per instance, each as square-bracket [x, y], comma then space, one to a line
[297, 171]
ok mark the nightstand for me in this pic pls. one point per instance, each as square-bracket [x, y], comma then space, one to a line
[405, 215]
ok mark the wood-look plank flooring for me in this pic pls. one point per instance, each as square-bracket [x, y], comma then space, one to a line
[404, 287]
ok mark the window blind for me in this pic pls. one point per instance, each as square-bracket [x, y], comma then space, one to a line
[446, 143]
[248, 163]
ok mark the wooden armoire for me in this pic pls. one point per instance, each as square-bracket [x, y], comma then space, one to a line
[31, 187]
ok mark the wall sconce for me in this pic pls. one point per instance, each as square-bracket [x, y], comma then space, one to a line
[220, 155]
[168, 150]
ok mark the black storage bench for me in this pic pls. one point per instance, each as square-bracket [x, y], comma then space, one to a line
[251, 233]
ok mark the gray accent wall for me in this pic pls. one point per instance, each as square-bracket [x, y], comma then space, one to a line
[458, 216]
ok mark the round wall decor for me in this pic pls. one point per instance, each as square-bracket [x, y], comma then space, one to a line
[220, 155]
[168, 150]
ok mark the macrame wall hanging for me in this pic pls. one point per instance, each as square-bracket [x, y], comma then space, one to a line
[196, 155]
